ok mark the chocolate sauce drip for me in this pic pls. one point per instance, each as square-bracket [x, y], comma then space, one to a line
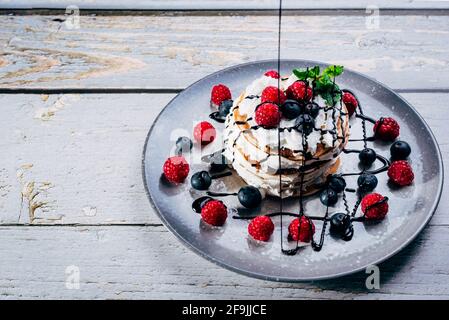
[216, 116]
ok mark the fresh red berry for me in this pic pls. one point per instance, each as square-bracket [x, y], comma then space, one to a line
[214, 212]
[219, 93]
[204, 133]
[272, 74]
[300, 91]
[401, 173]
[350, 102]
[268, 115]
[386, 129]
[261, 228]
[176, 169]
[301, 229]
[374, 206]
[273, 94]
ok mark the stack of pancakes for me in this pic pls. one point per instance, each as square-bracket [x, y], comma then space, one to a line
[254, 154]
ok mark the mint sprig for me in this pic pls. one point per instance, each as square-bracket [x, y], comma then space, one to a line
[324, 82]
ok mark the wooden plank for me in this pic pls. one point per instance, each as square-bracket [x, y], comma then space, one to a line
[82, 153]
[148, 262]
[156, 52]
[224, 4]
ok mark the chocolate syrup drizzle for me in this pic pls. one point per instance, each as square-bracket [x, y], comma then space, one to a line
[348, 234]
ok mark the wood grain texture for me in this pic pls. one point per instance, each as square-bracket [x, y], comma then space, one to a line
[223, 4]
[148, 262]
[174, 51]
[76, 159]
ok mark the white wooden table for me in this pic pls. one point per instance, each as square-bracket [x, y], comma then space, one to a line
[76, 105]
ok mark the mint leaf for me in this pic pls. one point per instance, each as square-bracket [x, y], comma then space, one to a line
[333, 71]
[307, 73]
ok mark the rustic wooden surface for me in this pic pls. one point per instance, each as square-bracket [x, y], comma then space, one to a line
[77, 104]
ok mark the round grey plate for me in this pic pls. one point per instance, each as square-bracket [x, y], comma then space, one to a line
[410, 207]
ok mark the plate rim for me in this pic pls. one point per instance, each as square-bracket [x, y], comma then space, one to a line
[257, 275]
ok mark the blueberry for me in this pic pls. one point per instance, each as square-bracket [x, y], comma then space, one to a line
[183, 144]
[201, 180]
[367, 156]
[337, 183]
[341, 225]
[328, 197]
[367, 182]
[250, 197]
[225, 107]
[291, 109]
[400, 150]
[305, 123]
[312, 108]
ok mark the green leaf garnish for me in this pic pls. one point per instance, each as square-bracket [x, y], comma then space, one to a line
[324, 83]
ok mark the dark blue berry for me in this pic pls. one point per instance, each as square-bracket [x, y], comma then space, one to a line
[341, 225]
[328, 197]
[400, 150]
[305, 123]
[225, 107]
[367, 156]
[337, 183]
[201, 180]
[367, 182]
[312, 108]
[250, 197]
[183, 144]
[291, 109]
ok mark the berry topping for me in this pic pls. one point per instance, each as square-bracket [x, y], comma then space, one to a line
[250, 197]
[219, 93]
[176, 169]
[201, 180]
[225, 107]
[367, 182]
[305, 123]
[272, 74]
[273, 94]
[301, 229]
[401, 173]
[204, 133]
[183, 145]
[386, 129]
[341, 225]
[400, 150]
[328, 197]
[214, 212]
[374, 206]
[350, 102]
[300, 91]
[336, 183]
[367, 156]
[268, 115]
[199, 203]
[261, 228]
[312, 108]
[291, 109]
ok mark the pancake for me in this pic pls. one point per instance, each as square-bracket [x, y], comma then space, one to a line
[254, 154]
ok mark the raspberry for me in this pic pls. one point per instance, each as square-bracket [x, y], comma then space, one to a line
[401, 173]
[374, 206]
[299, 91]
[176, 169]
[350, 102]
[273, 94]
[268, 115]
[204, 133]
[386, 129]
[261, 228]
[303, 230]
[214, 212]
[218, 94]
[272, 74]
